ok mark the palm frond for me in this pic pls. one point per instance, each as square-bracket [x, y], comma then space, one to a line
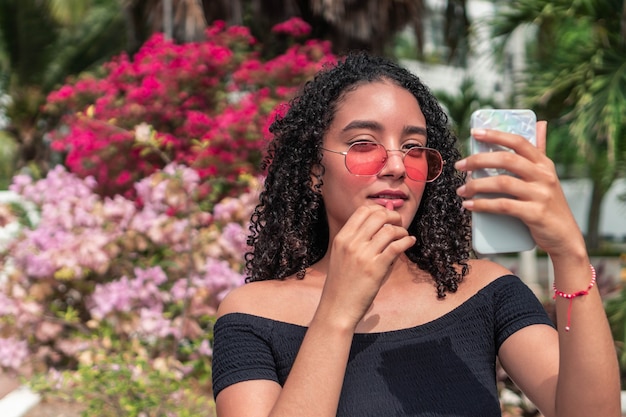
[99, 36]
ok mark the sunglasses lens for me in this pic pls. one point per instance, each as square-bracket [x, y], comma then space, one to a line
[366, 158]
[423, 164]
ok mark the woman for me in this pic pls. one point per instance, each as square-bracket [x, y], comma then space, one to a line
[362, 298]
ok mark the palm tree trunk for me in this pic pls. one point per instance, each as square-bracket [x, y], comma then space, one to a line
[598, 192]
[623, 24]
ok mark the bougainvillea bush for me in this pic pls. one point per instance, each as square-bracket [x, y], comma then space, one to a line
[110, 297]
[105, 284]
[207, 103]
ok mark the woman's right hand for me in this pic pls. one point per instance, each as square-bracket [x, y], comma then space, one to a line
[361, 257]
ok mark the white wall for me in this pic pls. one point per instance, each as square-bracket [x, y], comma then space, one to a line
[489, 79]
[5, 100]
[613, 211]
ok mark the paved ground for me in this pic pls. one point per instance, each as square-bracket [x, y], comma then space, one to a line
[7, 384]
[53, 409]
[15, 400]
[12, 405]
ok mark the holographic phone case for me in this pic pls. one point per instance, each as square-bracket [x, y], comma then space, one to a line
[519, 121]
[496, 233]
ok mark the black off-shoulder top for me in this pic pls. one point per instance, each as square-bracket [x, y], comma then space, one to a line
[446, 367]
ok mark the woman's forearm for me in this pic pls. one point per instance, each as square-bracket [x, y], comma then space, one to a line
[588, 383]
[314, 384]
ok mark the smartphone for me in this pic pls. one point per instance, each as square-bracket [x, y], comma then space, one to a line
[498, 233]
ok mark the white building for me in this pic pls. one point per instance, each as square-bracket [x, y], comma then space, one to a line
[488, 77]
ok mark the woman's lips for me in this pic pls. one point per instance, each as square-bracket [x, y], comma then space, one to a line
[390, 201]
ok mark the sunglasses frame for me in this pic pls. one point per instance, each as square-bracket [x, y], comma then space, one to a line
[404, 153]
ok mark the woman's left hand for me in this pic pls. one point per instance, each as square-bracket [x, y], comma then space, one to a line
[535, 194]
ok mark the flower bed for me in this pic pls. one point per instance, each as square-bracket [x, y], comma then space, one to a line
[109, 296]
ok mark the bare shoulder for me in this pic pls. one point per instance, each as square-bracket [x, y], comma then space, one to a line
[290, 300]
[250, 297]
[482, 272]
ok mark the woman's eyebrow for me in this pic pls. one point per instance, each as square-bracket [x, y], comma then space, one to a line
[363, 124]
[414, 130]
[374, 125]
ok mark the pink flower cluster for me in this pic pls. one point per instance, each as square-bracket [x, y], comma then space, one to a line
[70, 240]
[13, 353]
[295, 27]
[152, 268]
[208, 103]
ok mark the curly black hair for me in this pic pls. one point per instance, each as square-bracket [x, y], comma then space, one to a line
[289, 230]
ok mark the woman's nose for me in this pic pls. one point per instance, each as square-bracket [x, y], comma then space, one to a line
[395, 164]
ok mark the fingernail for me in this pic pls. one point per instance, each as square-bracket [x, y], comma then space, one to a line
[476, 132]
[461, 191]
[468, 204]
[460, 165]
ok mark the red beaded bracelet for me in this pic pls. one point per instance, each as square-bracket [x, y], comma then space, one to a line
[571, 296]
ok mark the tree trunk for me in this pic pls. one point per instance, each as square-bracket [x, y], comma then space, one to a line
[598, 192]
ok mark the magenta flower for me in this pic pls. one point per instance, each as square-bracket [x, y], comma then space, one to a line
[295, 27]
